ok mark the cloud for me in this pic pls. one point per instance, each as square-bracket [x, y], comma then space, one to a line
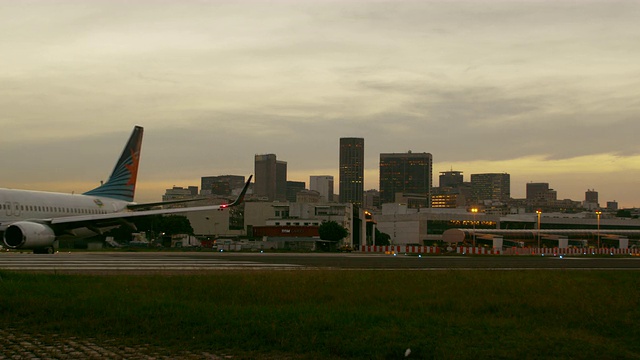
[531, 87]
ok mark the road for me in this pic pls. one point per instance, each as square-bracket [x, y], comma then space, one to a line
[124, 262]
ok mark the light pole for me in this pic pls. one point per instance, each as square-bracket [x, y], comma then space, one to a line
[598, 213]
[539, 212]
[474, 211]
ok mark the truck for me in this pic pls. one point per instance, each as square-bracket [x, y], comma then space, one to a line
[184, 240]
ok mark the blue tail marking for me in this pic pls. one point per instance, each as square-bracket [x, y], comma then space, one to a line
[122, 182]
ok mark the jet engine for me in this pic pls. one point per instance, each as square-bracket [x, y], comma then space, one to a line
[29, 235]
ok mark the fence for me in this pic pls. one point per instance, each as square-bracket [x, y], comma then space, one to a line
[401, 249]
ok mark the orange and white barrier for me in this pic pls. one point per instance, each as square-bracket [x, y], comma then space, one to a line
[405, 249]
[478, 250]
[584, 251]
[401, 249]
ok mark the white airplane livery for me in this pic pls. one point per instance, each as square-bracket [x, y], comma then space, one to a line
[36, 220]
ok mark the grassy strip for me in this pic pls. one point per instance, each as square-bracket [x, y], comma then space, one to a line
[341, 314]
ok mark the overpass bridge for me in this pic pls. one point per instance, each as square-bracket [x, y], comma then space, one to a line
[560, 238]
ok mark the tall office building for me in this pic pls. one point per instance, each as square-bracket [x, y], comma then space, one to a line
[179, 193]
[407, 173]
[372, 199]
[591, 200]
[323, 184]
[537, 191]
[270, 178]
[451, 179]
[221, 185]
[494, 187]
[293, 188]
[281, 180]
[591, 196]
[351, 170]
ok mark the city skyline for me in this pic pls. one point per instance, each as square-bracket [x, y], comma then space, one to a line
[543, 90]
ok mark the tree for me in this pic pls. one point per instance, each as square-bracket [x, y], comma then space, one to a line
[382, 239]
[154, 224]
[623, 213]
[332, 231]
[176, 224]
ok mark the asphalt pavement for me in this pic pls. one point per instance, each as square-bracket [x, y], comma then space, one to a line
[164, 261]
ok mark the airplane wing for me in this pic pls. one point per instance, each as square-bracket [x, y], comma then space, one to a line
[117, 218]
[150, 205]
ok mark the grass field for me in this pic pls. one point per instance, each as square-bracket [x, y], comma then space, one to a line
[341, 314]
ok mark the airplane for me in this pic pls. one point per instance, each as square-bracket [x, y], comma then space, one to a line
[37, 220]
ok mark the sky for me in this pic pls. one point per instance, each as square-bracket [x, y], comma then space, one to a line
[547, 91]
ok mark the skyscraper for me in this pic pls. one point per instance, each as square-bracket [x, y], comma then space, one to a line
[281, 180]
[591, 200]
[591, 196]
[351, 170]
[220, 185]
[408, 173]
[452, 179]
[271, 177]
[540, 193]
[536, 191]
[293, 188]
[494, 187]
[323, 184]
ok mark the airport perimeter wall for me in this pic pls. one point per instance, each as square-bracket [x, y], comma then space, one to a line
[401, 249]
[478, 251]
[571, 251]
[405, 249]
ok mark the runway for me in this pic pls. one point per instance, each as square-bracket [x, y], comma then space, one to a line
[128, 262]
[177, 262]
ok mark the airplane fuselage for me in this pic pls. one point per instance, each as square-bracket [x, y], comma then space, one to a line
[37, 219]
[26, 217]
[17, 205]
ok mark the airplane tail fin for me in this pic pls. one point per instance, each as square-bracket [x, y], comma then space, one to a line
[122, 182]
[240, 198]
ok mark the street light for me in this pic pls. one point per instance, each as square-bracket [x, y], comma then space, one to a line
[474, 211]
[598, 213]
[539, 212]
